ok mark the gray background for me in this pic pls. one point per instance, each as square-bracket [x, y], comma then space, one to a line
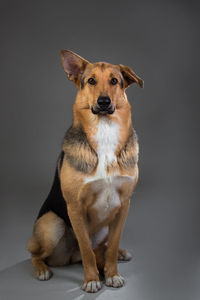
[159, 40]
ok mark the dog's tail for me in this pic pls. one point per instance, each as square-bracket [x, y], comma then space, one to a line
[55, 201]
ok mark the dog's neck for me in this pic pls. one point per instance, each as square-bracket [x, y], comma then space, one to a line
[96, 126]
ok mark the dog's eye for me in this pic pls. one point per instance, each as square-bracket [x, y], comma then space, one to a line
[114, 81]
[92, 81]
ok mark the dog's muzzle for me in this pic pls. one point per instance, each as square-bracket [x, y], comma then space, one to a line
[103, 106]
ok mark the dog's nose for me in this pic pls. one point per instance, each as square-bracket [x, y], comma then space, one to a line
[103, 102]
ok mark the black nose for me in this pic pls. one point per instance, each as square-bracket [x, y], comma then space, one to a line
[103, 102]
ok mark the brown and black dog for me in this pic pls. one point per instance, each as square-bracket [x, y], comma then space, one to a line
[83, 216]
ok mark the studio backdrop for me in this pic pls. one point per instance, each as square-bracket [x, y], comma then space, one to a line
[159, 40]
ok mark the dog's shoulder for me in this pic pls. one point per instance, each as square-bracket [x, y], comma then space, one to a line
[128, 156]
[77, 150]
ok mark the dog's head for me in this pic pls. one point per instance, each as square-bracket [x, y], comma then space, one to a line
[101, 86]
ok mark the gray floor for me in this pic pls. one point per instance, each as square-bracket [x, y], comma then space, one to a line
[164, 264]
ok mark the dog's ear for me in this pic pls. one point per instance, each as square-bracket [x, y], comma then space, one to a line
[73, 65]
[130, 77]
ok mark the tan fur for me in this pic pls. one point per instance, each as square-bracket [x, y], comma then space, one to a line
[51, 238]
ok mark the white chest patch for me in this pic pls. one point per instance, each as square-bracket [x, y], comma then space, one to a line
[107, 197]
[107, 140]
[107, 194]
[106, 187]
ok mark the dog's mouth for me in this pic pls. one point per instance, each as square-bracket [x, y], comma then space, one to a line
[97, 110]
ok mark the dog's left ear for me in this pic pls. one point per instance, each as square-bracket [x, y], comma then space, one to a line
[73, 65]
[130, 77]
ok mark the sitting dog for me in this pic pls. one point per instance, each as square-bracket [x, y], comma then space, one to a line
[83, 216]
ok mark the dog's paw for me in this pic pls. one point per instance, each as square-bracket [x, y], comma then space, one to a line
[91, 286]
[124, 255]
[115, 281]
[43, 274]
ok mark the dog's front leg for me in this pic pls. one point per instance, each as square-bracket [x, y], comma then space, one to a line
[112, 276]
[77, 218]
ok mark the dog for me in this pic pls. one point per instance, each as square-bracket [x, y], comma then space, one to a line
[83, 216]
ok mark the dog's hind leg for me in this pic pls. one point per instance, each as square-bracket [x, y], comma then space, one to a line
[49, 244]
[124, 255]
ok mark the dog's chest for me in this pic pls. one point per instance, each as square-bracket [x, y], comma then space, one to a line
[107, 141]
[105, 187]
[107, 197]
